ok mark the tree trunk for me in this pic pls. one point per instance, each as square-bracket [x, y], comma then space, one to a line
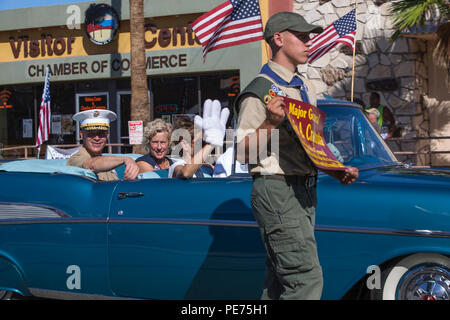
[140, 104]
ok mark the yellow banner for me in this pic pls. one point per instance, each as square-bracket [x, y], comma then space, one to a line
[61, 42]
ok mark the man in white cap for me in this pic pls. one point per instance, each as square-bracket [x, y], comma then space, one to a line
[94, 125]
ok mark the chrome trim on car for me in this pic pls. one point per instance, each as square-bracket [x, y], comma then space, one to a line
[65, 295]
[52, 221]
[228, 223]
[385, 231]
[326, 228]
[10, 210]
[223, 223]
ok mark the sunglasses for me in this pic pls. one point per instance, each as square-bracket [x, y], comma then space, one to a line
[94, 133]
[304, 37]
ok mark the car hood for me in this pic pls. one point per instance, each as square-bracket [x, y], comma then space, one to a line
[403, 175]
[392, 197]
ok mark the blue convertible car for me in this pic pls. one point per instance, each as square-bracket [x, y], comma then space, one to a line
[64, 234]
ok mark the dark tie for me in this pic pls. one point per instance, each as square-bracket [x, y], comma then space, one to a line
[303, 89]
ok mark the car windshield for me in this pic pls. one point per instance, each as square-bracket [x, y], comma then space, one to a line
[355, 138]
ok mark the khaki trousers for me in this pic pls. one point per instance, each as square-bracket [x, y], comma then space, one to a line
[285, 212]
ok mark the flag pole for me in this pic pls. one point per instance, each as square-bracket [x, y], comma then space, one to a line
[264, 21]
[44, 117]
[354, 50]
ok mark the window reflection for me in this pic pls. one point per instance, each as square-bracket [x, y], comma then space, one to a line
[357, 141]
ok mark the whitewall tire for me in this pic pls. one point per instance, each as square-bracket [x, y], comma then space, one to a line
[5, 295]
[421, 276]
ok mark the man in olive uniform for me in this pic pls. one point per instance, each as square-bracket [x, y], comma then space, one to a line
[283, 195]
[94, 126]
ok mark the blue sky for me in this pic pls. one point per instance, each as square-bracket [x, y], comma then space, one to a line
[15, 4]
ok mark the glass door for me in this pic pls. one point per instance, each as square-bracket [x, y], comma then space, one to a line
[89, 101]
[123, 116]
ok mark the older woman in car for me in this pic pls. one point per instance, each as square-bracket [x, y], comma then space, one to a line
[156, 141]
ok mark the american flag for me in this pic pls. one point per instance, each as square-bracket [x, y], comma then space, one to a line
[342, 30]
[44, 113]
[232, 23]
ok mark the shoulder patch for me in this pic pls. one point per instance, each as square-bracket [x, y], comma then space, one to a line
[260, 87]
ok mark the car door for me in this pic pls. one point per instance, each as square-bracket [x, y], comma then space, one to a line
[176, 239]
[53, 228]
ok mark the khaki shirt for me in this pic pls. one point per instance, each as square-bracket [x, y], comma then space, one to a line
[81, 156]
[291, 158]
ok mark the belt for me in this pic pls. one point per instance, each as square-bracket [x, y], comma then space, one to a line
[307, 181]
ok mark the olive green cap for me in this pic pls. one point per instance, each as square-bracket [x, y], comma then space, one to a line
[282, 21]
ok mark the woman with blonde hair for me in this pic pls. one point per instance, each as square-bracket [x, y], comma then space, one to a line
[156, 141]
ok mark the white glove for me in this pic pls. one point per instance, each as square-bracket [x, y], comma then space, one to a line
[213, 122]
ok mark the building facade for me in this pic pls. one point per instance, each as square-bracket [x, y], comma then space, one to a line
[403, 72]
[89, 64]
[90, 67]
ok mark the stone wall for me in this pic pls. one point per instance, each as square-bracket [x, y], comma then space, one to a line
[377, 59]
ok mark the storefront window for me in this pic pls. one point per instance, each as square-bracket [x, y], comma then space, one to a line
[174, 95]
[17, 116]
[224, 87]
[170, 95]
[186, 94]
[63, 108]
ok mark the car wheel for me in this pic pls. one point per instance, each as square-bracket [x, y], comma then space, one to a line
[417, 277]
[5, 295]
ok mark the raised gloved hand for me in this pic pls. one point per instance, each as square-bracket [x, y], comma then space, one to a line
[213, 122]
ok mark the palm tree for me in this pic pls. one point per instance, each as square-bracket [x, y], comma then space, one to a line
[410, 13]
[140, 104]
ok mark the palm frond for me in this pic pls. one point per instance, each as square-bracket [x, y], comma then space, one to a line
[408, 13]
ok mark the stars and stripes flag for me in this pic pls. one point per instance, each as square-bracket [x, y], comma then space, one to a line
[44, 113]
[342, 30]
[232, 23]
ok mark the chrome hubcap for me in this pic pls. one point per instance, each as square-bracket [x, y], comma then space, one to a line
[3, 294]
[426, 282]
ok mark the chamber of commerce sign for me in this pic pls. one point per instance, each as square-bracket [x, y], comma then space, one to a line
[98, 67]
